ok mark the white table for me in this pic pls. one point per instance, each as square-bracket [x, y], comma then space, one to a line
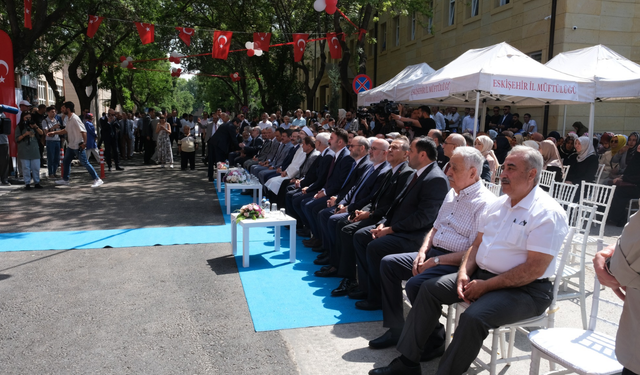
[276, 220]
[219, 179]
[253, 185]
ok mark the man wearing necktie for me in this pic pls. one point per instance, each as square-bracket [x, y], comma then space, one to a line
[406, 223]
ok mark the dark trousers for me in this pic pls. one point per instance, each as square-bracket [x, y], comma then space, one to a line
[343, 255]
[327, 219]
[149, 149]
[311, 210]
[138, 145]
[5, 163]
[203, 142]
[111, 152]
[41, 150]
[211, 160]
[492, 310]
[298, 202]
[189, 157]
[289, 202]
[621, 197]
[369, 254]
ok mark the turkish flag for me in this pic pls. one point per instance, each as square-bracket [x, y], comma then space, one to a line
[299, 45]
[221, 44]
[94, 24]
[146, 31]
[7, 85]
[27, 14]
[334, 46]
[185, 34]
[261, 41]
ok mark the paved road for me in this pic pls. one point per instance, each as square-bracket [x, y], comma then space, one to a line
[156, 310]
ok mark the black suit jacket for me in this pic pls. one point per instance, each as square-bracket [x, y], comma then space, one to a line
[369, 188]
[363, 166]
[224, 141]
[253, 147]
[317, 175]
[413, 213]
[338, 176]
[391, 187]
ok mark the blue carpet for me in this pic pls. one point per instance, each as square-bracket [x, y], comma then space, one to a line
[280, 295]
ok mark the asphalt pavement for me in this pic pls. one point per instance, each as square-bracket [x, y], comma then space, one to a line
[164, 309]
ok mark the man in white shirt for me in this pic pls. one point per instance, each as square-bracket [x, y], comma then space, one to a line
[299, 121]
[530, 125]
[453, 119]
[504, 275]
[265, 121]
[467, 122]
[438, 117]
[77, 142]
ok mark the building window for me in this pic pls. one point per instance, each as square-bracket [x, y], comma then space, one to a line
[396, 24]
[537, 55]
[52, 97]
[475, 7]
[412, 28]
[383, 33]
[502, 2]
[452, 12]
[42, 97]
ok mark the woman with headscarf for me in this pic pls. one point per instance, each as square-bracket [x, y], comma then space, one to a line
[627, 187]
[616, 143]
[501, 149]
[533, 144]
[626, 153]
[604, 144]
[484, 144]
[580, 128]
[584, 164]
[567, 148]
[551, 158]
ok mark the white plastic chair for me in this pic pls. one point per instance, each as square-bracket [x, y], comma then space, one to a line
[565, 170]
[580, 351]
[547, 178]
[575, 265]
[600, 196]
[546, 320]
[497, 176]
[599, 173]
[495, 189]
[631, 209]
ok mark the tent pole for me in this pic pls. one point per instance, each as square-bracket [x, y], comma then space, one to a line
[592, 110]
[564, 122]
[475, 118]
[483, 116]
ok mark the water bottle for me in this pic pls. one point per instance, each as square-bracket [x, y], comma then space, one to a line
[263, 204]
[267, 206]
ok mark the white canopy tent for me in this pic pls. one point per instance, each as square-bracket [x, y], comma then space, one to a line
[498, 74]
[615, 76]
[388, 89]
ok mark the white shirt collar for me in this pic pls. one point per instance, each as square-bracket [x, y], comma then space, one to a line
[419, 172]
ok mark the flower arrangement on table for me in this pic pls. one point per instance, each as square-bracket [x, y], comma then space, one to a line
[222, 165]
[236, 176]
[250, 211]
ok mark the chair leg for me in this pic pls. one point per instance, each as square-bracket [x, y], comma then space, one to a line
[534, 366]
[512, 339]
[450, 325]
[583, 302]
[494, 351]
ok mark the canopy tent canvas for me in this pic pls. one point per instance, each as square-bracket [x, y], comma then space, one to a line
[388, 89]
[615, 76]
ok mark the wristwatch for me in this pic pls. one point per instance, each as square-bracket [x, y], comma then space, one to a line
[436, 260]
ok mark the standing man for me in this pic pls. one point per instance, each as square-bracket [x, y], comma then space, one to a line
[224, 140]
[77, 140]
[420, 126]
[452, 119]
[108, 134]
[467, 122]
[438, 117]
[530, 125]
[148, 131]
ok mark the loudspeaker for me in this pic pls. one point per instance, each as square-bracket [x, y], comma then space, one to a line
[5, 126]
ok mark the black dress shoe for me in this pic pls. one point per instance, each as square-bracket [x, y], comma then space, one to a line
[428, 355]
[303, 232]
[331, 272]
[324, 254]
[389, 339]
[322, 261]
[324, 268]
[346, 285]
[396, 367]
[119, 169]
[358, 294]
[314, 242]
[38, 186]
[368, 306]
[318, 249]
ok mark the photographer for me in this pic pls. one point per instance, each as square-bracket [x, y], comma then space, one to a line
[28, 150]
[50, 124]
[422, 125]
[77, 135]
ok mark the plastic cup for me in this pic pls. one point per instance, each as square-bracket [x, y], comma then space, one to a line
[274, 207]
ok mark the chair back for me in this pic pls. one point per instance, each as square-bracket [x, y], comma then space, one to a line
[557, 279]
[599, 196]
[564, 194]
[597, 299]
[565, 170]
[495, 189]
[497, 176]
[599, 173]
[547, 178]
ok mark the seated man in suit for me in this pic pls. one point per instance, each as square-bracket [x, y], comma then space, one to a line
[409, 219]
[504, 275]
[277, 169]
[268, 150]
[441, 252]
[281, 154]
[298, 168]
[343, 256]
[251, 149]
[360, 194]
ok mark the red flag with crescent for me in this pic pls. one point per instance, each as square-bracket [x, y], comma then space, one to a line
[334, 46]
[299, 45]
[261, 41]
[94, 24]
[221, 44]
[7, 84]
[185, 34]
[146, 31]
[27, 14]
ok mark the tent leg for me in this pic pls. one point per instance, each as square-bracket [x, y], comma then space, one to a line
[592, 111]
[475, 118]
[564, 122]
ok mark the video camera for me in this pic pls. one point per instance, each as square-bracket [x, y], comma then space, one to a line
[384, 109]
[5, 123]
